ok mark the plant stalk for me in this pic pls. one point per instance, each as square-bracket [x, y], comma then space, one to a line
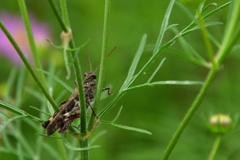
[102, 62]
[189, 114]
[28, 65]
[215, 147]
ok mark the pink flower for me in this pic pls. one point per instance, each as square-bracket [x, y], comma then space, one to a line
[15, 26]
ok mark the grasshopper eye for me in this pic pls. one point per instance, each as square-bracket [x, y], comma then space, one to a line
[94, 76]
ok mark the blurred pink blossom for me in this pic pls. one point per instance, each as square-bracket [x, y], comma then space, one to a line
[15, 26]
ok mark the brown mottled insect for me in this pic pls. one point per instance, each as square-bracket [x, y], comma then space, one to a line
[70, 109]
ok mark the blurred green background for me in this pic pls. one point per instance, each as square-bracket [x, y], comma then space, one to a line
[157, 109]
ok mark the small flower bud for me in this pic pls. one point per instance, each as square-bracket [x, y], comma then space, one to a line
[66, 37]
[220, 123]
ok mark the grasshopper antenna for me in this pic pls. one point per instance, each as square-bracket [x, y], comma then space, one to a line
[106, 57]
[89, 60]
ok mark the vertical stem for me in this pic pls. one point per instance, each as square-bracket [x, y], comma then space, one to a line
[215, 147]
[102, 63]
[31, 40]
[84, 153]
[28, 66]
[189, 114]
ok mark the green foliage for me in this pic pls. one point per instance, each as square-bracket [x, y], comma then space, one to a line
[157, 111]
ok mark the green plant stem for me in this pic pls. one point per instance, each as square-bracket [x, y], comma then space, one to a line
[84, 144]
[102, 63]
[228, 42]
[64, 13]
[232, 32]
[78, 74]
[189, 114]
[60, 21]
[31, 40]
[27, 64]
[76, 64]
[215, 147]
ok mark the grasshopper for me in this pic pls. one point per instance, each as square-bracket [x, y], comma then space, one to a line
[70, 109]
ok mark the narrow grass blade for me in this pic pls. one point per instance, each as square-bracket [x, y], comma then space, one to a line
[58, 80]
[20, 84]
[186, 57]
[177, 83]
[209, 24]
[186, 10]
[6, 122]
[208, 6]
[135, 62]
[156, 70]
[19, 152]
[163, 27]
[12, 109]
[216, 10]
[166, 83]
[127, 128]
[10, 81]
[118, 114]
[69, 146]
[97, 137]
[40, 111]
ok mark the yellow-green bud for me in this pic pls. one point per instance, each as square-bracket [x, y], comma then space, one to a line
[220, 123]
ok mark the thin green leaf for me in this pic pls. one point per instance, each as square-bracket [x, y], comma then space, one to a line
[20, 84]
[58, 80]
[6, 141]
[186, 57]
[163, 27]
[97, 137]
[32, 124]
[200, 9]
[208, 6]
[66, 59]
[118, 114]
[40, 111]
[19, 151]
[177, 83]
[44, 135]
[54, 45]
[127, 127]
[69, 146]
[209, 24]
[6, 122]
[49, 106]
[68, 49]
[187, 47]
[34, 93]
[214, 40]
[165, 83]
[28, 148]
[13, 152]
[135, 62]
[216, 10]
[12, 108]
[185, 9]
[172, 26]
[10, 82]
[156, 70]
